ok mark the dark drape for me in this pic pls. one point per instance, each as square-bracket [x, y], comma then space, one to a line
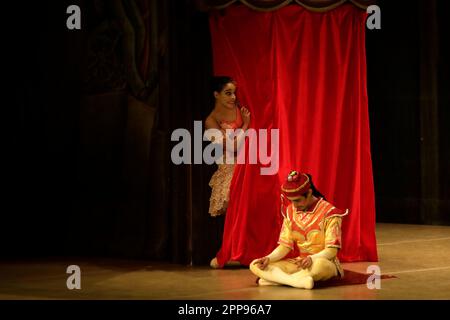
[408, 72]
[303, 73]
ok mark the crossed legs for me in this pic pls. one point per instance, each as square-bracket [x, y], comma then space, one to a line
[288, 273]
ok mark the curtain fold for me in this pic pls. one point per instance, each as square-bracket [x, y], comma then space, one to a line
[303, 73]
[270, 5]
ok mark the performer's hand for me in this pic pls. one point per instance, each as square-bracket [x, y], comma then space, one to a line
[245, 115]
[305, 263]
[262, 263]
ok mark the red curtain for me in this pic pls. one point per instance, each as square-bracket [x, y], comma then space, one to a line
[305, 74]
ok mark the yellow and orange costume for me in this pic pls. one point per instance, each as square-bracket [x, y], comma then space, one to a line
[314, 230]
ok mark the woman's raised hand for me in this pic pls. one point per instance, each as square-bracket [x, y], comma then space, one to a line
[245, 115]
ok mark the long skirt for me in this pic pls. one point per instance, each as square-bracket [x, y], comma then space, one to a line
[220, 194]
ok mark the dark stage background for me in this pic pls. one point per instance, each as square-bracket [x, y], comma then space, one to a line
[88, 169]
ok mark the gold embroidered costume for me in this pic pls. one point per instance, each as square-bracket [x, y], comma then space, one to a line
[312, 231]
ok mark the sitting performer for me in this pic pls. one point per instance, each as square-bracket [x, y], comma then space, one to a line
[314, 226]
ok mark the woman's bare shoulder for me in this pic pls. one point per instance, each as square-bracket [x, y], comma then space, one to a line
[212, 121]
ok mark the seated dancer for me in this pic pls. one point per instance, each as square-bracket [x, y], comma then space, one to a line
[314, 226]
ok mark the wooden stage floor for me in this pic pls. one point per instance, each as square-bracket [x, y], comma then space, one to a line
[417, 255]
